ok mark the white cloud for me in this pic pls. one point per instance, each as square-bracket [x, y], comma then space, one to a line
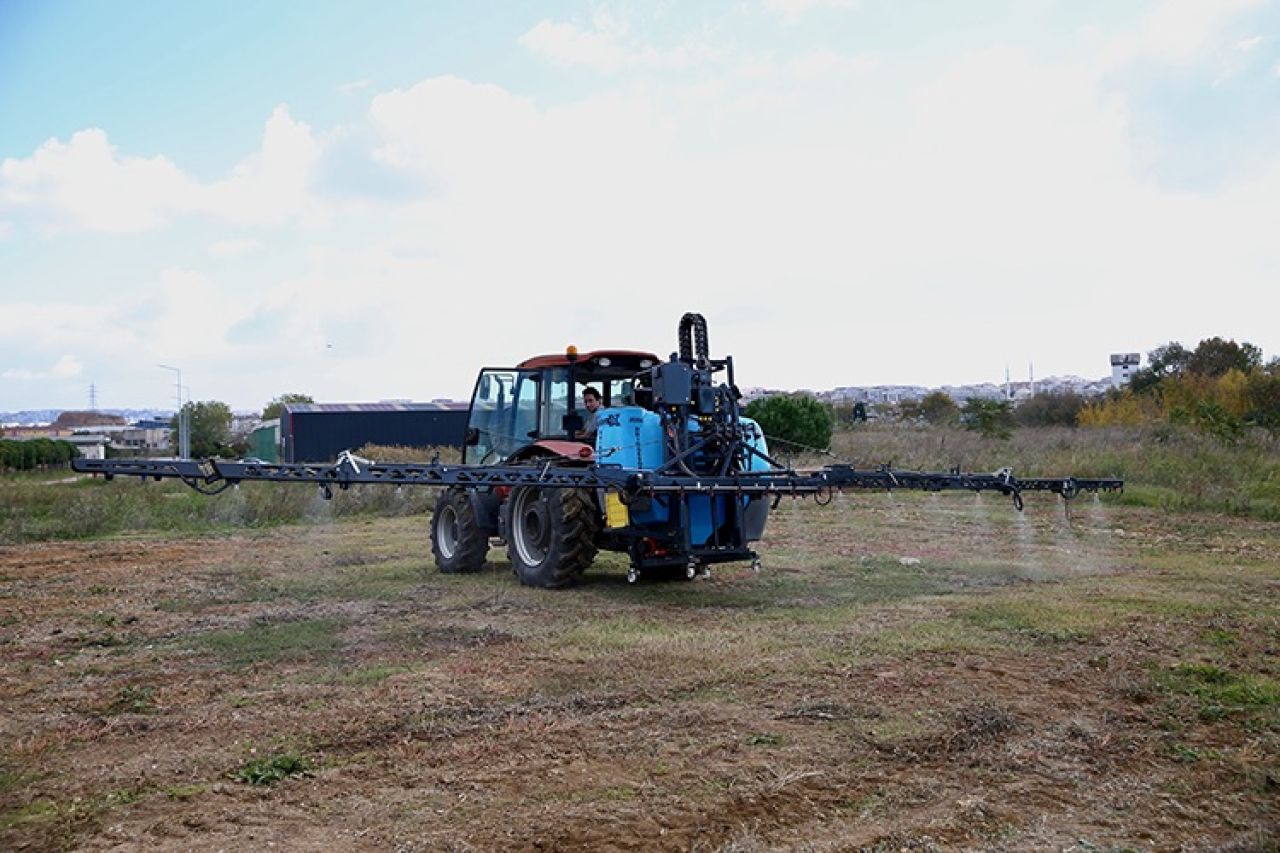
[66, 367]
[234, 248]
[607, 48]
[85, 184]
[1179, 31]
[354, 86]
[795, 8]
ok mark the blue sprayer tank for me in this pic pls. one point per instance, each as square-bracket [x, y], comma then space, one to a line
[630, 437]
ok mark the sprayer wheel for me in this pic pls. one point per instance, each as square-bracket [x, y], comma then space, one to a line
[458, 541]
[551, 534]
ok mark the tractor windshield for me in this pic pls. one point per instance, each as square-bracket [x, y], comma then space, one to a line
[504, 415]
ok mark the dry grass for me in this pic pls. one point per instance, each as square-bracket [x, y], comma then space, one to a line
[1105, 679]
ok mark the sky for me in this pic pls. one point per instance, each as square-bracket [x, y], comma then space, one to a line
[373, 201]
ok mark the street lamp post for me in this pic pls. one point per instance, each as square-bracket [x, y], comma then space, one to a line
[184, 427]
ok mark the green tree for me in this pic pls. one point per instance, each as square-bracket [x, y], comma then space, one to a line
[909, 410]
[938, 408]
[276, 406]
[210, 425]
[1215, 356]
[1263, 395]
[1166, 360]
[796, 420]
[1049, 410]
[992, 418]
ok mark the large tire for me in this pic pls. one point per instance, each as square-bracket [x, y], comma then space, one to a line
[551, 534]
[458, 541]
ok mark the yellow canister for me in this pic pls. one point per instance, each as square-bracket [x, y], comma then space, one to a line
[615, 511]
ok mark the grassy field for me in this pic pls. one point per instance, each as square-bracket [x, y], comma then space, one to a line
[908, 672]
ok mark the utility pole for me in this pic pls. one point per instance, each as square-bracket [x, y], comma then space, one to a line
[184, 427]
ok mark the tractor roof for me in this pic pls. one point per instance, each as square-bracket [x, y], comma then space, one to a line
[616, 357]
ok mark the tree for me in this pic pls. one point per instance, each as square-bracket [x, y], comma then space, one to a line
[1263, 393]
[276, 406]
[1215, 356]
[796, 420]
[1166, 360]
[210, 425]
[992, 418]
[938, 408]
[1050, 410]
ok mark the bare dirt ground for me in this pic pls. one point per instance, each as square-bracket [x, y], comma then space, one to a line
[907, 673]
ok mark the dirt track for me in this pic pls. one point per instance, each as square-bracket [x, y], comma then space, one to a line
[906, 674]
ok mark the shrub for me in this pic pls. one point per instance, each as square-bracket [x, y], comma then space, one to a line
[796, 420]
[1050, 410]
[938, 408]
[992, 418]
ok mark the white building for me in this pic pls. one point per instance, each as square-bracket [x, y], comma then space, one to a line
[1123, 366]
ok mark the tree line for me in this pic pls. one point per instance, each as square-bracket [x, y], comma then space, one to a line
[35, 453]
[1220, 387]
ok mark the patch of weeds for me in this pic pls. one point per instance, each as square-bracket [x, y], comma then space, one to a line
[183, 792]
[1221, 638]
[1045, 623]
[121, 797]
[269, 770]
[1183, 754]
[132, 700]
[764, 739]
[176, 605]
[288, 641]
[865, 806]
[11, 780]
[105, 619]
[625, 632]
[369, 675]
[944, 635]
[40, 811]
[610, 794]
[1220, 692]
[109, 640]
[44, 811]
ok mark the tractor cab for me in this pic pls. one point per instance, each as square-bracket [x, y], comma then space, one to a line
[538, 404]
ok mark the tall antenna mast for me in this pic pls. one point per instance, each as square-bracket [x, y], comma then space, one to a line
[1031, 376]
[93, 397]
[1008, 386]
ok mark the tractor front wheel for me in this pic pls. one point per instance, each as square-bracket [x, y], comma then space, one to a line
[457, 539]
[551, 534]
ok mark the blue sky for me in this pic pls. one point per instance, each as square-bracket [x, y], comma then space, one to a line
[371, 203]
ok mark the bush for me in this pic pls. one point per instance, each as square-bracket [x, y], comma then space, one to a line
[1050, 410]
[796, 420]
[992, 418]
[939, 409]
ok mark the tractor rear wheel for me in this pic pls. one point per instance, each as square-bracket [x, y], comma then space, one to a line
[551, 534]
[458, 541]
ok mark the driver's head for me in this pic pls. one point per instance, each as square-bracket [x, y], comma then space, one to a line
[591, 399]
